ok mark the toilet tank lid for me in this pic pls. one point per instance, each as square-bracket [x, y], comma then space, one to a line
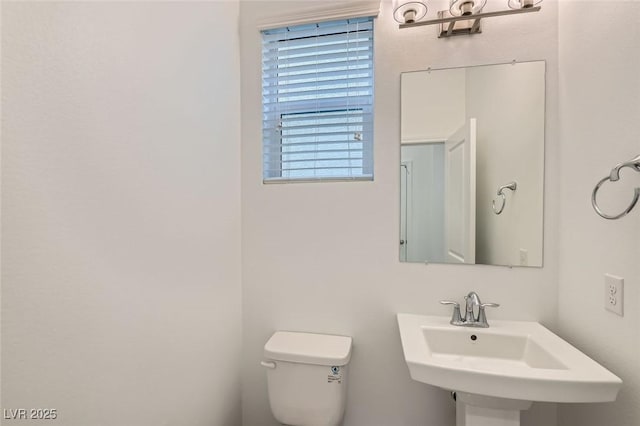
[308, 348]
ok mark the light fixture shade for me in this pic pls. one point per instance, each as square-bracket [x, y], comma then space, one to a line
[466, 7]
[523, 4]
[408, 11]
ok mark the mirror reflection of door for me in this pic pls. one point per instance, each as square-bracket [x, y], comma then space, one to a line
[460, 195]
[405, 210]
[437, 181]
[422, 204]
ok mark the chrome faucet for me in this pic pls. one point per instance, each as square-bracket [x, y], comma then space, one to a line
[471, 319]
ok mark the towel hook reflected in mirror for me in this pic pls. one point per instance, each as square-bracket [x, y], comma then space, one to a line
[512, 186]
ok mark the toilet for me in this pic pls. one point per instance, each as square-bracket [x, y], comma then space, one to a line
[307, 377]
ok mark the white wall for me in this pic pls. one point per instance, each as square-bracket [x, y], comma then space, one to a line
[509, 103]
[324, 257]
[599, 110]
[433, 105]
[121, 204]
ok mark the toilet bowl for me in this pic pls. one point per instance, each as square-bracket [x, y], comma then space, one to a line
[307, 377]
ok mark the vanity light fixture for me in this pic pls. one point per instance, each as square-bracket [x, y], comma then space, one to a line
[462, 18]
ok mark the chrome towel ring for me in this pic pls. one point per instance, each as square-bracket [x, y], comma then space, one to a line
[512, 186]
[613, 177]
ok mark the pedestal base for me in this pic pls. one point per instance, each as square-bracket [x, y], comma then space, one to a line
[479, 410]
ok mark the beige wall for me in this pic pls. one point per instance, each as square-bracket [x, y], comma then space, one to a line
[599, 110]
[120, 212]
[433, 105]
[509, 105]
[324, 257]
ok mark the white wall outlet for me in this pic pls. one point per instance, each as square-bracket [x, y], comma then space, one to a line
[524, 257]
[614, 294]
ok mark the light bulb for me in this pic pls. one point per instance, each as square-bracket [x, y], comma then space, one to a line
[466, 7]
[523, 4]
[408, 12]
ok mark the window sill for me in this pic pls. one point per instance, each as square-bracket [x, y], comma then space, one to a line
[272, 181]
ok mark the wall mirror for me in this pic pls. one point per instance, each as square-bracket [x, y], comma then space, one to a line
[472, 165]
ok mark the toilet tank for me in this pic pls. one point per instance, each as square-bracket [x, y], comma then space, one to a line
[307, 377]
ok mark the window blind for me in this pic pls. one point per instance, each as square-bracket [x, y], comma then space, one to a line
[317, 99]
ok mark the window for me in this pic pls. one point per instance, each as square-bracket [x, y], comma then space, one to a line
[317, 101]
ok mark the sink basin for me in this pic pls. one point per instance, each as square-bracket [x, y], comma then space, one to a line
[516, 360]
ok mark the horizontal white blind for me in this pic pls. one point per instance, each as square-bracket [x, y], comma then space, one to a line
[317, 101]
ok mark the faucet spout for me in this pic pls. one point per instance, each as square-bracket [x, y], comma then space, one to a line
[473, 301]
[472, 305]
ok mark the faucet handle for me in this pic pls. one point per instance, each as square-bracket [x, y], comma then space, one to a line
[482, 317]
[456, 318]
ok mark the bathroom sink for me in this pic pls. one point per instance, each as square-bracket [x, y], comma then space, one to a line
[517, 360]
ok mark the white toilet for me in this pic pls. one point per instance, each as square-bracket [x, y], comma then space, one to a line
[307, 377]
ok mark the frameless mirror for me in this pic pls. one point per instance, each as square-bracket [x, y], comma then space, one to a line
[472, 165]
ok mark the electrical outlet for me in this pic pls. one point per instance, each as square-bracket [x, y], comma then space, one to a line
[524, 257]
[614, 294]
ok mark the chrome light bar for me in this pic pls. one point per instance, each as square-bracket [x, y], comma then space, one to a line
[472, 24]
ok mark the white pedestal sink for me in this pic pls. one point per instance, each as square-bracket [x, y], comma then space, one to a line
[480, 410]
[499, 371]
